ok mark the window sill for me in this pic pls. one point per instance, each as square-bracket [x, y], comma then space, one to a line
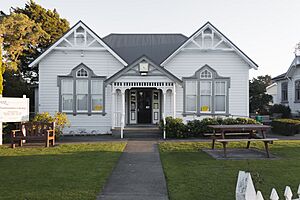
[298, 101]
[206, 114]
[86, 113]
[284, 102]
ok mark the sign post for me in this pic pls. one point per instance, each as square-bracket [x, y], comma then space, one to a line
[13, 110]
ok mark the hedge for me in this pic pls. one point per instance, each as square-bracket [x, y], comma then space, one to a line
[285, 126]
[175, 128]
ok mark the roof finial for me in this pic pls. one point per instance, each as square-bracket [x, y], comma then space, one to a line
[297, 49]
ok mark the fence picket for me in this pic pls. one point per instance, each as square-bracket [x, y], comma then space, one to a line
[274, 195]
[288, 193]
[259, 196]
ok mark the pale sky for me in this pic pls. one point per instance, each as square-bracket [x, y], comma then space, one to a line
[266, 30]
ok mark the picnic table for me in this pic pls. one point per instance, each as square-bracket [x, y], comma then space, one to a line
[236, 130]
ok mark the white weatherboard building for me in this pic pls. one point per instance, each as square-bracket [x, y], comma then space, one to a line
[288, 86]
[123, 80]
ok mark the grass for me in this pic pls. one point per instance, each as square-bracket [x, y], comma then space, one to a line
[192, 174]
[68, 171]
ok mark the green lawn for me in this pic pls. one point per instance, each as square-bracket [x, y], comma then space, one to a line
[192, 174]
[69, 171]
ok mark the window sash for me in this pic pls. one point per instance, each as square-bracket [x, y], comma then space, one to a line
[205, 96]
[220, 96]
[67, 102]
[191, 95]
[97, 103]
[82, 102]
[284, 92]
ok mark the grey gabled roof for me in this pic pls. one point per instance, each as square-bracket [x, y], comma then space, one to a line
[295, 63]
[157, 47]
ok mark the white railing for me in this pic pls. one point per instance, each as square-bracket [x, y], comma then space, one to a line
[143, 84]
[245, 190]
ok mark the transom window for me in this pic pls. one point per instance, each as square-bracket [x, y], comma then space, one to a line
[206, 74]
[81, 92]
[208, 96]
[82, 73]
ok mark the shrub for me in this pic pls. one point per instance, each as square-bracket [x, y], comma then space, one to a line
[282, 109]
[285, 126]
[61, 120]
[174, 128]
[195, 128]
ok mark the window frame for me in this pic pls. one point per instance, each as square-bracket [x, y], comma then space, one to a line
[286, 90]
[185, 97]
[297, 82]
[214, 78]
[91, 76]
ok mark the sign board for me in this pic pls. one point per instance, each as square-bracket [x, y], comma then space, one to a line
[14, 109]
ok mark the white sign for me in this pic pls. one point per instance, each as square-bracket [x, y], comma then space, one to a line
[14, 109]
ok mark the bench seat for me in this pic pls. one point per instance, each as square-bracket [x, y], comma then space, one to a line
[266, 141]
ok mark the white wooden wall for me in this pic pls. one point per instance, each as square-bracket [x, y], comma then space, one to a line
[227, 64]
[61, 63]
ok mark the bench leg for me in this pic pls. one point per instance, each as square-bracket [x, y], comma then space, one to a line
[267, 148]
[53, 142]
[224, 148]
[20, 143]
[13, 145]
[213, 143]
[248, 144]
[47, 143]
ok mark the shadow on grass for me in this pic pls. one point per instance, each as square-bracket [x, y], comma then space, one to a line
[57, 173]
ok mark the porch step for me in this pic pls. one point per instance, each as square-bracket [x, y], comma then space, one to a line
[138, 132]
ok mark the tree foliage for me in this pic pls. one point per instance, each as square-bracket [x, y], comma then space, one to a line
[258, 99]
[51, 23]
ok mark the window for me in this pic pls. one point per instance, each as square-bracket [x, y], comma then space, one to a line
[81, 92]
[297, 91]
[97, 95]
[67, 94]
[205, 74]
[206, 93]
[220, 96]
[205, 96]
[191, 96]
[284, 92]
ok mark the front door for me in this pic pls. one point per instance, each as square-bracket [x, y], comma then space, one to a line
[144, 104]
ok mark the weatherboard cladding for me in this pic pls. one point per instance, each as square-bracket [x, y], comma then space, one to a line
[157, 47]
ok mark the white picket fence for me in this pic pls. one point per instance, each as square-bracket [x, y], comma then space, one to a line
[245, 190]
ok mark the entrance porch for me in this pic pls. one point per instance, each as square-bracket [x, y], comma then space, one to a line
[142, 104]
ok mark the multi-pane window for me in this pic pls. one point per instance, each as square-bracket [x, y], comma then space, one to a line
[220, 96]
[205, 74]
[284, 91]
[67, 94]
[206, 92]
[191, 95]
[97, 95]
[205, 96]
[297, 90]
[82, 91]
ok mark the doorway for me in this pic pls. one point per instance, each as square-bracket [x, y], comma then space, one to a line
[144, 106]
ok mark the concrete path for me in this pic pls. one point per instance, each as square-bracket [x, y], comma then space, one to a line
[138, 174]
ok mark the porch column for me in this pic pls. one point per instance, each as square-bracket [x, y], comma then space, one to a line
[113, 107]
[174, 100]
[123, 113]
[164, 111]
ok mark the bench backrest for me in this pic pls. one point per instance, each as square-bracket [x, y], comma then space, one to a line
[36, 128]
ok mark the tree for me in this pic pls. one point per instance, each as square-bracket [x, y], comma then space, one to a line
[258, 99]
[51, 23]
[18, 34]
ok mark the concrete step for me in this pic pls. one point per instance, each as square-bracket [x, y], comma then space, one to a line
[138, 132]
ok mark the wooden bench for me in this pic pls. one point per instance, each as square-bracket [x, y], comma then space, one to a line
[266, 141]
[34, 131]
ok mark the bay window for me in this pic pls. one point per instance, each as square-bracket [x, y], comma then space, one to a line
[206, 93]
[81, 92]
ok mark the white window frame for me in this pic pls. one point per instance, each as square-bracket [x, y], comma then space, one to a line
[196, 94]
[92, 94]
[68, 94]
[211, 96]
[225, 95]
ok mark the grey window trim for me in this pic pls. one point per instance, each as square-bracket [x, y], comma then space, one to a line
[91, 76]
[215, 78]
[287, 94]
[297, 100]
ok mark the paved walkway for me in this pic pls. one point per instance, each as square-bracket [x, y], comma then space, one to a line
[138, 174]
